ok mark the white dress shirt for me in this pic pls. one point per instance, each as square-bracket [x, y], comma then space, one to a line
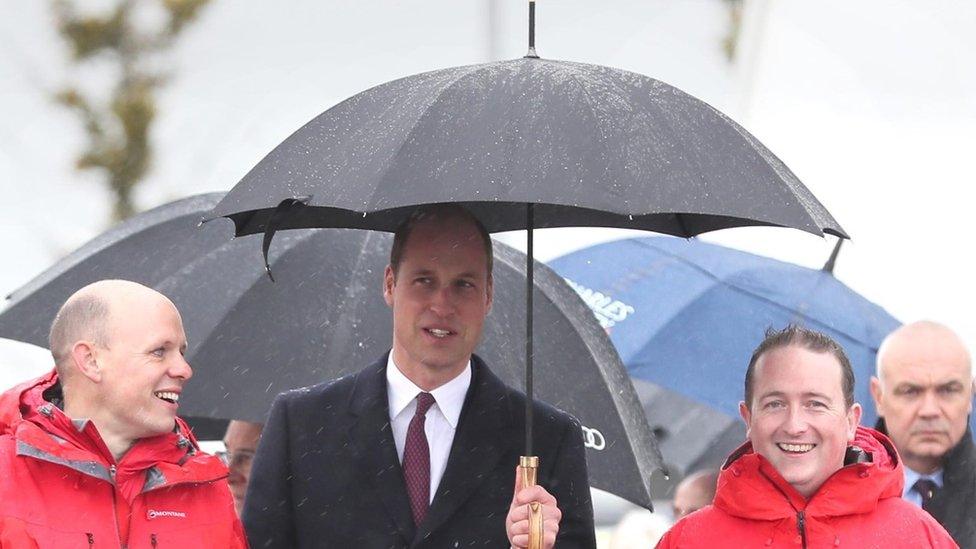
[441, 420]
[911, 477]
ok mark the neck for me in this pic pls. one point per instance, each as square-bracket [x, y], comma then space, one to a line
[425, 376]
[116, 443]
[923, 465]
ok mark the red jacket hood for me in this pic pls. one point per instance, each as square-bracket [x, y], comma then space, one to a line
[750, 487]
[39, 424]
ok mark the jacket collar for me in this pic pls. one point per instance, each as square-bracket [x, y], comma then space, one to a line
[44, 432]
[475, 451]
[750, 487]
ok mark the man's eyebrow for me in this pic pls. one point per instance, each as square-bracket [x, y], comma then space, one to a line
[950, 383]
[807, 394]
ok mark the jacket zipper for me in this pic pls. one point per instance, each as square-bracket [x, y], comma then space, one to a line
[91, 540]
[115, 509]
[152, 540]
[801, 526]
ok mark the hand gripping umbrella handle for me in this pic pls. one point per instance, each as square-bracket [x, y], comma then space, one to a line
[528, 467]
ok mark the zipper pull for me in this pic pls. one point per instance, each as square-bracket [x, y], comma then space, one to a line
[91, 540]
[111, 471]
[152, 540]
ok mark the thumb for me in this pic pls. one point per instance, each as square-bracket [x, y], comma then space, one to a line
[518, 483]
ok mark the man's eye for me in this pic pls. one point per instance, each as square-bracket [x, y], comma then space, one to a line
[816, 404]
[773, 404]
[159, 352]
[950, 389]
[465, 284]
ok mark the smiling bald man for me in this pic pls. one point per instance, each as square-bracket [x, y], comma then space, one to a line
[93, 453]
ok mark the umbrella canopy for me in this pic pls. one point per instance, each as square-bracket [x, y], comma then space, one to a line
[586, 145]
[686, 315]
[251, 339]
[524, 144]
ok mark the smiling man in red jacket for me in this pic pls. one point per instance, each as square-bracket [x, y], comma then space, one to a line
[809, 476]
[93, 454]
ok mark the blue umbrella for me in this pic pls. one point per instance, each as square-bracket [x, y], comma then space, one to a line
[686, 315]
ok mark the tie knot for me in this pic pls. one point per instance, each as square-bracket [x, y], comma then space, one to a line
[424, 402]
[925, 488]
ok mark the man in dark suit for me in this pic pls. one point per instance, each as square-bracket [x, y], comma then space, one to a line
[923, 392]
[419, 449]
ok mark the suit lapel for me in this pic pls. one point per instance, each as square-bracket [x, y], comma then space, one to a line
[478, 444]
[371, 433]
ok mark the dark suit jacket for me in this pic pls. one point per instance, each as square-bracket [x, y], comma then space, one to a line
[326, 473]
[954, 505]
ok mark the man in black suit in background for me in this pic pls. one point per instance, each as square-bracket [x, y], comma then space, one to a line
[419, 449]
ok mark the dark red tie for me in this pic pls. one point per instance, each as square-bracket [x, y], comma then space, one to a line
[416, 460]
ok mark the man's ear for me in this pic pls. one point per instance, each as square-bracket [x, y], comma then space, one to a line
[876, 394]
[490, 290]
[746, 416]
[84, 362]
[389, 280]
[853, 420]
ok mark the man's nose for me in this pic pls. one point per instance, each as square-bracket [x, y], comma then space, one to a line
[442, 301]
[181, 369]
[929, 407]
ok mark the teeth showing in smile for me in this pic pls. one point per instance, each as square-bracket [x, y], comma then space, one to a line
[436, 332]
[795, 448]
[168, 396]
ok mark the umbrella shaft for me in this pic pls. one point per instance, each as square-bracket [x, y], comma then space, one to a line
[529, 285]
[531, 24]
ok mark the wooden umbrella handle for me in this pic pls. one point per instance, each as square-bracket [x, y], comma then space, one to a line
[528, 468]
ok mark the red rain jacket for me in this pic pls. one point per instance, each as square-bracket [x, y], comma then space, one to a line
[860, 506]
[60, 486]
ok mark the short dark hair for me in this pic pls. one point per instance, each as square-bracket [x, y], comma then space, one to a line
[81, 317]
[810, 340]
[428, 211]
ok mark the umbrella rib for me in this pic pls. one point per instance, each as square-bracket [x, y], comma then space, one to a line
[596, 119]
[389, 162]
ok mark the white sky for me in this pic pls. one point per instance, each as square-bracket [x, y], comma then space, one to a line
[871, 103]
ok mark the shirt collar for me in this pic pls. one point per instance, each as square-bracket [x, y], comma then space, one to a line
[912, 476]
[449, 397]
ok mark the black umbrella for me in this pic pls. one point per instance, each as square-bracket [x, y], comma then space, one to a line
[251, 339]
[524, 144]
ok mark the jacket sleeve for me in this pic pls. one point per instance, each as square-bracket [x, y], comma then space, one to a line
[267, 514]
[937, 536]
[571, 487]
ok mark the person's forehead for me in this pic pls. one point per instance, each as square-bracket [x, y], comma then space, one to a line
[242, 434]
[930, 358]
[432, 237]
[780, 369]
[151, 319]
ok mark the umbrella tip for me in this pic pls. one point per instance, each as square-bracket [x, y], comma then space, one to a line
[832, 260]
[532, 54]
